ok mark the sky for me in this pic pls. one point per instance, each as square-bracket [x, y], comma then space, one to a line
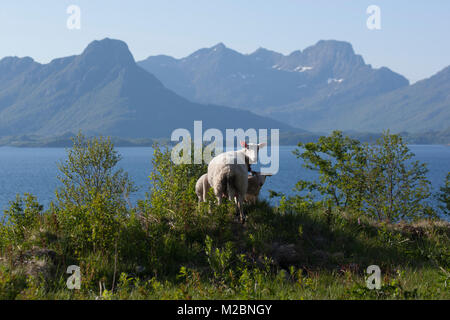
[413, 39]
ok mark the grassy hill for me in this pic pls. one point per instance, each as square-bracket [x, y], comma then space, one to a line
[170, 247]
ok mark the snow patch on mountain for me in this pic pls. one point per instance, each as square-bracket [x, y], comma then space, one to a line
[333, 80]
[302, 68]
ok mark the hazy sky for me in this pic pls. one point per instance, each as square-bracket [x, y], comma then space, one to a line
[413, 40]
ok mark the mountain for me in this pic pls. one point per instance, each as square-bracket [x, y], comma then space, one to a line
[103, 91]
[424, 106]
[325, 87]
[266, 79]
[223, 76]
[418, 108]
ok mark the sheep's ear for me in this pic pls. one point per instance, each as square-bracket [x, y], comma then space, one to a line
[262, 145]
[244, 144]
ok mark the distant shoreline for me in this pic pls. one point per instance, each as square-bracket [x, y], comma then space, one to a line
[150, 146]
[286, 139]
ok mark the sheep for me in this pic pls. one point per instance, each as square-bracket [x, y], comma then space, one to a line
[201, 188]
[227, 174]
[255, 183]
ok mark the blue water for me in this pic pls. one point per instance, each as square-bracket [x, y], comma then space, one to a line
[34, 170]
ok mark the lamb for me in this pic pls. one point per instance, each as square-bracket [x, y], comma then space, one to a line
[201, 188]
[255, 184]
[227, 174]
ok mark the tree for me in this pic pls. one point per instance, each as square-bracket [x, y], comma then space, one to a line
[338, 160]
[380, 180]
[92, 200]
[396, 187]
[19, 222]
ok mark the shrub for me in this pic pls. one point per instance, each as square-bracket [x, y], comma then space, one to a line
[20, 221]
[339, 161]
[173, 221]
[395, 186]
[91, 204]
[444, 196]
[172, 188]
[219, 259]
[11, 284]
[380, 180]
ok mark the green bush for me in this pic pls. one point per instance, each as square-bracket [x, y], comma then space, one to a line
[20, 223]
[444, 196]
[379, 180]
[11, 284]
[172, 192]
[173, 220]
[91, 204]
[396, 187]
[339, 161]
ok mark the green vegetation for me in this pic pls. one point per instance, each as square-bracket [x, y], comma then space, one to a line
[378, 180]
[170, 247]
[444, 196]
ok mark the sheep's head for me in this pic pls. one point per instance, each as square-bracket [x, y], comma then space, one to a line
[261, 178]
[251, 150]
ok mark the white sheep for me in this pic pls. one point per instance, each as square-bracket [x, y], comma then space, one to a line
[228, 174]
[202, 187]
[255, 183]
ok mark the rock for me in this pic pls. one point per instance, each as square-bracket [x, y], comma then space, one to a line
[37, 262]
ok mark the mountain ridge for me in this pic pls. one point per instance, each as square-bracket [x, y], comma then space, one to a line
[320, 88]
[103, 91]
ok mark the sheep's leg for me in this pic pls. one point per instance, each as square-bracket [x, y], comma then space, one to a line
[238, 210]
[239, 202]
[204, 197]
[205, 190]
[219, 198]
[255, 198]
[233, 197]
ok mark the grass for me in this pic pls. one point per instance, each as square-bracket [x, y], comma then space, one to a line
[323, 260]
